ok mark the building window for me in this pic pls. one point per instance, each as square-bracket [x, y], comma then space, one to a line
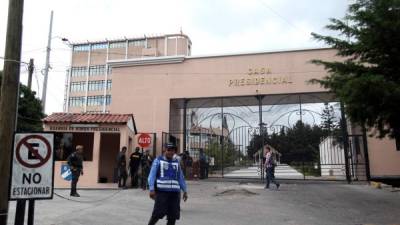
[78, 86]
[81, 48]
[97, 70]
[98, 112]
[76, 101]
[65, 144]
[78, 71]
[137, 43]
[119, 44]
[94, 100]
[98, 100]
[108, 99]
[98, 85]
[99, 46]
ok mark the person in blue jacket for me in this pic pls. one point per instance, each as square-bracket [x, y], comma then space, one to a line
[166, 181]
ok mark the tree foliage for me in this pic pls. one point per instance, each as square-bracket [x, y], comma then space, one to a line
[329, 121]
[256, 143]
[29, 110]
[225, 156]
[297, 144]
[368, 79]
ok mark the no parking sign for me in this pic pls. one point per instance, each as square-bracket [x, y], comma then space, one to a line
[32, 166]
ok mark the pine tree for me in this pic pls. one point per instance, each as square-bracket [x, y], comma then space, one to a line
[329, 122]
[367, 81]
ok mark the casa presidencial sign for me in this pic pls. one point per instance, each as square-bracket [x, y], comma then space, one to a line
[83, 127]
[260, 76]
[32, 172]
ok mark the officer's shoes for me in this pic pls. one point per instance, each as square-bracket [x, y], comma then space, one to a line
[75, 195]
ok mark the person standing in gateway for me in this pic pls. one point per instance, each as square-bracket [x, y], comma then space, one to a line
[134, 163]
[75, 162]
[166, 181]
[270, 168]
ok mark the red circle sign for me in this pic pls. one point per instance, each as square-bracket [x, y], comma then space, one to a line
[42, 160]
[144, 140]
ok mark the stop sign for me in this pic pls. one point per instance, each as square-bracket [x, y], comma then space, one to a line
[144, 140]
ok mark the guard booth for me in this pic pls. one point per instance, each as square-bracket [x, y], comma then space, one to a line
[102, 136]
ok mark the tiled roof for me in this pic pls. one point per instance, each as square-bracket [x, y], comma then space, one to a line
[87, 118]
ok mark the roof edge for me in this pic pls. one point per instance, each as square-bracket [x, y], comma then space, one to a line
[150, 36]
[180, 58]
[146, 61]
[64, 120]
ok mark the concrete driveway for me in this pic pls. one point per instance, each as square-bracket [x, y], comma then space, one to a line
[230, 203]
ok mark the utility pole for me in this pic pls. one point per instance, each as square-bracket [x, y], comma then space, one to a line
[9, 99]
[47, 66]
[30, 70]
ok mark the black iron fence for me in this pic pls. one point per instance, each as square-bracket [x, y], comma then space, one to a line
[229, 156]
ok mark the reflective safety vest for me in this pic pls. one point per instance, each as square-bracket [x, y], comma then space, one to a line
[168, 175]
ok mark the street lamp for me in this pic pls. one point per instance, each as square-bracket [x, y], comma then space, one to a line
[47, 66]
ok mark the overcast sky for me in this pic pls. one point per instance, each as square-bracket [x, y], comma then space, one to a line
[214, 26]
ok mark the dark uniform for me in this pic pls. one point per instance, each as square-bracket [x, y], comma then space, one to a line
[203, 166]
[75, 162]
[134, 163]
[122, 173]
[146, 162]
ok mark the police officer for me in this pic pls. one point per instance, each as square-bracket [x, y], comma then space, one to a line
[75, 162]
[134, 163]
[121, 164]
[146, 162]
[165, 183]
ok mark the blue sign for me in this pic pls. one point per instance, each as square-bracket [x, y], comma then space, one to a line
[66, 173]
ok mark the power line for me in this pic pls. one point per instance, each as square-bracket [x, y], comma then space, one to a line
[280, 16]
[12, 60]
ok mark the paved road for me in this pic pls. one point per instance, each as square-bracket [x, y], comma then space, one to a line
[282, 171]
[229, 203]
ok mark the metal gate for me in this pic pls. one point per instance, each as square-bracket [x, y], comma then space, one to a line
[307, 132]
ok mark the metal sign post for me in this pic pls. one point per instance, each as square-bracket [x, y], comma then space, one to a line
[32, 172]
[144, 141]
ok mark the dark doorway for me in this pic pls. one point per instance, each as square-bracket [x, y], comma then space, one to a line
[109, 148]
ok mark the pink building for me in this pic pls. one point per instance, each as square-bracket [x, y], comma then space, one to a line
[158, 81]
